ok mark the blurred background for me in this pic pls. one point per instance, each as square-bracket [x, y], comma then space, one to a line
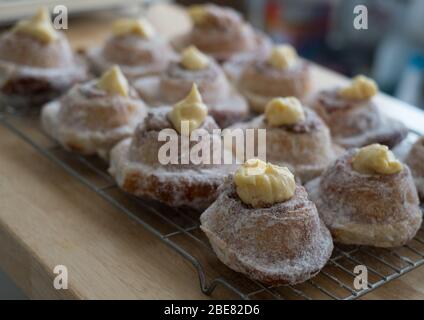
[391, 50]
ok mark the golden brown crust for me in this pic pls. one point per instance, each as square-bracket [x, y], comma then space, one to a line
[154, 187]
[415, 160]
[366, 209]
[282, 244]
[357, 123]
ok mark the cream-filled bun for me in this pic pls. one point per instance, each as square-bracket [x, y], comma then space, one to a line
[92, 117]
[37, 63]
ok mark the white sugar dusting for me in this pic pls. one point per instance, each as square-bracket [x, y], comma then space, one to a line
[285, 243]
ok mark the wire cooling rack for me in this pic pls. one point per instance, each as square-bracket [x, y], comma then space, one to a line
[179, 229]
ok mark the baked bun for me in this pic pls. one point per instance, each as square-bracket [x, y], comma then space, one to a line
[90, 120]
[225, 105]
[136, 54]
[260, 80]
[357, 122]
[35, 70]
[380, 210]
[415, 161]
[221, 32]
[136, 167]
[305, 147]
[284, 243]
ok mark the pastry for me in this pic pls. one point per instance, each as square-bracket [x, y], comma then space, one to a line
[264, 226]
[135, 46]
[154, 162]
[226, 106]
[92, 117]
[367, 197]
[221, 32]
[280, 74]
[353, 117]
[415, 161]
[36, 63]
[295, 137]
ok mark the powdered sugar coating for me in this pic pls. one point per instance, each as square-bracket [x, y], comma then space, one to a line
[136, 167]
[33, 73]
[87, 120]
[225, 105]
[177, 81]
[224, 35]
[136, 56]
[286, 243]
[357, 123]
[25, 50]
[415, 160]
[259, 82]
[306, 147]
[366, 209]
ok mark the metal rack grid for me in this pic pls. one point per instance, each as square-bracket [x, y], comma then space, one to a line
[179, 229]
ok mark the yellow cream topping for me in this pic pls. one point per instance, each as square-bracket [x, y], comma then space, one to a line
[114, 82]
[361, 88]
[376, 159]
[140, 27]
[189, 114]
[193, 59]
[262, 184]
[283, 57]
[284, 111]
[39, 26]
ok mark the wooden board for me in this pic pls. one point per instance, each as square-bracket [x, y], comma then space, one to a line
[47, 218]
